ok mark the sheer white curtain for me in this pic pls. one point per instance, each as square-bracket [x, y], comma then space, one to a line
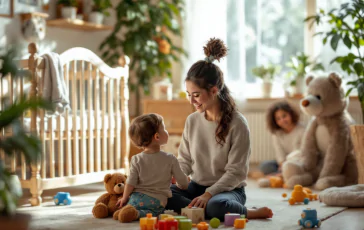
[206, 19]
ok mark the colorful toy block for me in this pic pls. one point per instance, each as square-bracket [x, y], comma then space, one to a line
[185, 224]
[148, 223]
[168, 224]
[239, 223]
[230, 218]
[178, 218]
[164, 216]
[195, 214]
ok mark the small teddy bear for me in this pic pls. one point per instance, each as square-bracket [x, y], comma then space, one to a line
[105, 205]
[327, 157]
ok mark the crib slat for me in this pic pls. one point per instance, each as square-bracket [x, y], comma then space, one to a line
[110, 139]
[97, 120]
[23, 174]
[118, 124]
[67, 127]
[60, 146]
[42, 135]
[82, 109]
[51, 161]
[90, 120]
[125, 143]
[103, 115]
[74, 119]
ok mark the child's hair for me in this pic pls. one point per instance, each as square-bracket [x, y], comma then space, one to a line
[143, 128]
[281, 105]
[205, 74]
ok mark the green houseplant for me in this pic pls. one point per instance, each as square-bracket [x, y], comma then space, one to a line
[299, 65]
[267, 75]
[147, 39]
[99, 10]
[347, 26]
[20, 142]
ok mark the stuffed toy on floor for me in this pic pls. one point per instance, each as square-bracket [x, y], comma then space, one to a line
[105, 205]
[327, 157]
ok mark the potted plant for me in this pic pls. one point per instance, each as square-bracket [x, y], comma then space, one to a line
[266, 74]
[150, 30]
[99, 10]
[68, 8]
[347, 26]
[299, 66]
[20, 142]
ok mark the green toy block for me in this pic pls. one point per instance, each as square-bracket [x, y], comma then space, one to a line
[185, 224]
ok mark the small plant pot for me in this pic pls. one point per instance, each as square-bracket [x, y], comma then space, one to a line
[96, 18]
[267, 89]
[299, 88]
[69, 12]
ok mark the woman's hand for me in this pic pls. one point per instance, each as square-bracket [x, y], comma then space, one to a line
[201, 201]
[121, 202]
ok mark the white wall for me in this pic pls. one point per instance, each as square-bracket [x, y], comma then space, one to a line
[59, 40]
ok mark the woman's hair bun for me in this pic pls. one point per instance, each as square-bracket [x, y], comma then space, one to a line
[216, 48]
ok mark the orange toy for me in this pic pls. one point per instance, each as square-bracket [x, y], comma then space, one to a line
[239, 223]
[276, 182]
[297, 195]
[202, 226]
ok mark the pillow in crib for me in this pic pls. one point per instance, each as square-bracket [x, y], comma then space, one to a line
[349, 196]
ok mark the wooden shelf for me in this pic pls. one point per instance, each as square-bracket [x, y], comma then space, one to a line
[77, 25]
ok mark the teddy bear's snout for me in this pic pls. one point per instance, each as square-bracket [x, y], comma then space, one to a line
[119, 185]
[305, 103]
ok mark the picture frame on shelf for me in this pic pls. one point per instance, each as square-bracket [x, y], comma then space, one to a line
[6, 8]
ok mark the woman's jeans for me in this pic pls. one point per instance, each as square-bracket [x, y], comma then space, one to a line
[217, 206]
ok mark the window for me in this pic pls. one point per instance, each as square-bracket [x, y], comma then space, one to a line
[257, 32]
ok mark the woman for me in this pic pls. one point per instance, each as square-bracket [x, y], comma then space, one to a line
[287, 133]
[215, 146]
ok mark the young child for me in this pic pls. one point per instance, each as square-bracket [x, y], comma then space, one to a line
[287, 133]
[151, 171]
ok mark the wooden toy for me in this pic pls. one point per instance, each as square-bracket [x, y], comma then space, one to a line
[195, 214]
[185, 224]
[230, 218]
[168, 224]
[239, 223]
[148, 223]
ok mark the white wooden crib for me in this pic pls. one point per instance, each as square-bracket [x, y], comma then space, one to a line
[84, 143]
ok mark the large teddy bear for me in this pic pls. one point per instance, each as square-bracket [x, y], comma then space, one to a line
[105, 205]
[327, 157]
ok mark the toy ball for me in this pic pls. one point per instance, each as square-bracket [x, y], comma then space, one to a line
[284, 195]
[306, 201]
[214, 222]
[62, 198]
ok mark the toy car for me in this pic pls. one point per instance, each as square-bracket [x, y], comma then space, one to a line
[309, 219]
[62, 198]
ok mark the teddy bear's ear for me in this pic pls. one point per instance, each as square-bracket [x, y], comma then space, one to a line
[107, 177]
[335, 79]
[309, 79]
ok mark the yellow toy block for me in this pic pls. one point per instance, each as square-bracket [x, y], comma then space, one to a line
[197, 215]
[148, 223]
